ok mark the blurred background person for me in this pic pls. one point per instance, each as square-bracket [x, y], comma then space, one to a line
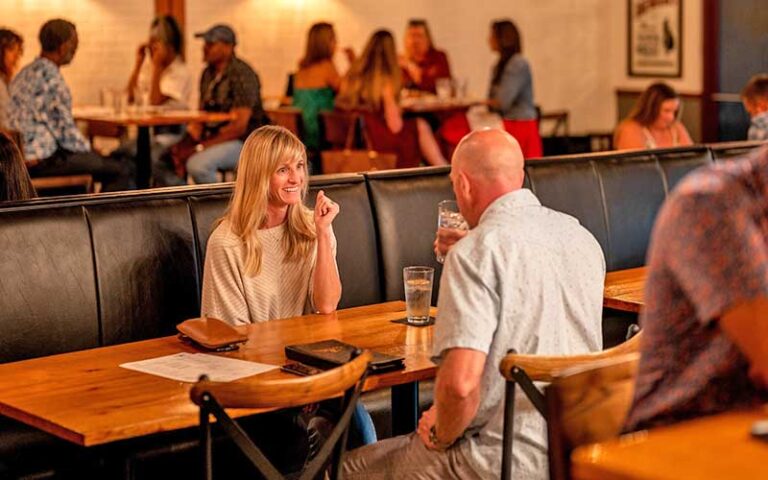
[755, 99]
[653, 122]
[372, 86]
[510, 94]
[14, 178]
[316, 82]
[11, 49]
[422, 64]
[41, 110]
[228, 84]
[159, 72]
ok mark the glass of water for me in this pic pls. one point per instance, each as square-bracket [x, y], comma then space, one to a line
[418, 293]
[448, 216]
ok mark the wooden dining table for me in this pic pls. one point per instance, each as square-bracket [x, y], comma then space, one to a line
[100, 117]
[624, 289]
[85, 397]
[719, 447]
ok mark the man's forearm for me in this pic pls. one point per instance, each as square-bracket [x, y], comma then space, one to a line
[454, 414]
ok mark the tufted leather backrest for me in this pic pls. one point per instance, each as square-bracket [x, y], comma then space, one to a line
[405, 210]
[722, 152]
[677, 163]
[48, 298]
[145, 259]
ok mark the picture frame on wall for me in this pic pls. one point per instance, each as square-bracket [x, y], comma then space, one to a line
[655, 38]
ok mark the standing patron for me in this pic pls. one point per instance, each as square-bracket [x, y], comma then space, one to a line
[41, 110]
[524, 277]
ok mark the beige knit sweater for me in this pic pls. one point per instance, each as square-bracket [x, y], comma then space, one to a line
[281, 289]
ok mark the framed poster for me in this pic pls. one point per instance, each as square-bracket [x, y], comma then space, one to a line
[655, 38]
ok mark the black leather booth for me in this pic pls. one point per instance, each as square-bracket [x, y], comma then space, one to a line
[83, 271]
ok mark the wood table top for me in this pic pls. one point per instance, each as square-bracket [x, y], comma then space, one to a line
[86, 398]
[624, 289]
[432, 104]
[148, 119]
[718, 447]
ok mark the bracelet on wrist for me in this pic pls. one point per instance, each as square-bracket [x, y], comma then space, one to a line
[436, 441]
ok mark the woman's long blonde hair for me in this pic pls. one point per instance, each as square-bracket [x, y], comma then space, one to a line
[375, 68]
[265, 150]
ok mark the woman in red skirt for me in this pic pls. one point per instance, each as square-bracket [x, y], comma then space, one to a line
[510, 93]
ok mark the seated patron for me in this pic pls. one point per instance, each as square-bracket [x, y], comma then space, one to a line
[41, 110]
[422, 63]
[524, 277]
[704, 322]
[755, 99]
[228, 84]
[14, 178]
[372, 87]
[510, 93]
[316, 82]
[11, 49]
[654, 121]
[271, 257]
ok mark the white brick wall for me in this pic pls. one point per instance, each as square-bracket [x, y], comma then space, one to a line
[576, 48]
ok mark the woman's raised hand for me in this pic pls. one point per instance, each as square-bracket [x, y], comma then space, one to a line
[325, 211]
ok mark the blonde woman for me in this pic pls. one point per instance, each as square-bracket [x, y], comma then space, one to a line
[372, 87]
[270, 256]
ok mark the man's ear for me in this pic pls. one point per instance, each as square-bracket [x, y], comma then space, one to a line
[464, 185]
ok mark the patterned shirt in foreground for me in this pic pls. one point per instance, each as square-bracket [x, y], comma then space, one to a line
[708, 254]
[758, 128]
[41, 109]
[529, 278]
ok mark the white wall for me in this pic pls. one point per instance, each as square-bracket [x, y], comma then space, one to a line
[577, 48]
[109, 32]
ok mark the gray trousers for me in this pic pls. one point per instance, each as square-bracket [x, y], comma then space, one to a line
[405, 458]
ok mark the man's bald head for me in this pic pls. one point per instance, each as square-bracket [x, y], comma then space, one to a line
[487, 164]
[490, 155]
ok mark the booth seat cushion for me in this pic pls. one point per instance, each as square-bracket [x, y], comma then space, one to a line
[571, 187]
[677, 163]
[47, 292]
[357, 251]
[405, 211]
[145, 264]
[633, 191]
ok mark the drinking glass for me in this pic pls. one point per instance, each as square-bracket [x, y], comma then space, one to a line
[444, 88]
[448, 216]
[418, 293]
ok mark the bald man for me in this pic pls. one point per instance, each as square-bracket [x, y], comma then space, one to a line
[524, 277]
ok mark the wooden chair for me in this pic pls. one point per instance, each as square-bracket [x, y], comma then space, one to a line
[287, 117]
[587, 404]
[523, 370]
[281, 393]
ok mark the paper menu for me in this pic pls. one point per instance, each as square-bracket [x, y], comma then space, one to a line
[187, 367]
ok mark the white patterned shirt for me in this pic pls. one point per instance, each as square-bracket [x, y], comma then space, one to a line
[41, 109]
[526, 278]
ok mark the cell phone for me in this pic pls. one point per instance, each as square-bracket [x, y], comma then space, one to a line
[300, 369]
[760, 430]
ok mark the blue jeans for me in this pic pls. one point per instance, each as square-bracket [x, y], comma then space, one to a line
[222, 156]
[363, 424]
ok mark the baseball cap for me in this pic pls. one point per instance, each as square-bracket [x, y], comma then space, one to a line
[218, 33]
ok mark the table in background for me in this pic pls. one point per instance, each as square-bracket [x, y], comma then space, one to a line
[101, 118]
[86, 398]
[718, 447]
[624, 289]
[432, 104]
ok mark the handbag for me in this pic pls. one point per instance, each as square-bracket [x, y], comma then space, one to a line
[351, 160]
[211, 334]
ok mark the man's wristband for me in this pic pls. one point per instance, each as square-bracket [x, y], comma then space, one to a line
[435, 441]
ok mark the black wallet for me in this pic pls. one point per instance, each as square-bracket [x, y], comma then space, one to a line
[333, 353]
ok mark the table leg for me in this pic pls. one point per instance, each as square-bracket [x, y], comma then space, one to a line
[143, 158]
[405, 408]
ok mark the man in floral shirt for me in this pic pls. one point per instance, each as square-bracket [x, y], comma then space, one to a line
[705, 323]
[41, 109]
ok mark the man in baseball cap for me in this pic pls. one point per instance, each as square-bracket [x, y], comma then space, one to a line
[228, 84]
[218, 33]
